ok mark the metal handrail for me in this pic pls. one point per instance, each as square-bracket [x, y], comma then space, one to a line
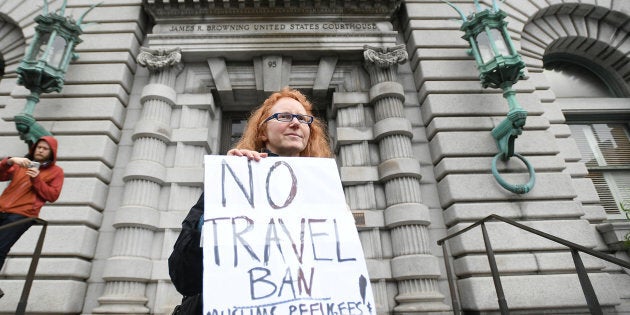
[587, 288]
[30, 276]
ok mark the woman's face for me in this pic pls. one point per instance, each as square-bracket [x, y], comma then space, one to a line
[286, 138]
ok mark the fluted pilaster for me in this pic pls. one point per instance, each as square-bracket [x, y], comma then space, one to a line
[129, 268]
[357, 158]
[413, 267]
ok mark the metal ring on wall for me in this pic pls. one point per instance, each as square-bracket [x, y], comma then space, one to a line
[519, 188]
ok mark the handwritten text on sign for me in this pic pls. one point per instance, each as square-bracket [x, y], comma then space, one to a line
[279, 239]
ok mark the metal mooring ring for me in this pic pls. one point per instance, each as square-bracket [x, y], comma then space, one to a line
[519, 188]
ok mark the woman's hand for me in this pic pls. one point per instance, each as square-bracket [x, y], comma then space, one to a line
[250, 154]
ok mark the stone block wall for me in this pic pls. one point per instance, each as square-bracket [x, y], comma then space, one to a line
[459, 114]
[87, 118]
[413, 143]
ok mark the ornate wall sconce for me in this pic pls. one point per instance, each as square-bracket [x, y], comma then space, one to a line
[44, 65]
[500, 66]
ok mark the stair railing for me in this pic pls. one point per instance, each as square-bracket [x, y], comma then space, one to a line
[587, 287]
[30, 276]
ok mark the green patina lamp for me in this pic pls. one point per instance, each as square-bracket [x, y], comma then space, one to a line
[500, 66]
[44, 65]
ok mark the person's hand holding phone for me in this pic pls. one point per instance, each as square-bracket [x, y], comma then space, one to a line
[33, 169]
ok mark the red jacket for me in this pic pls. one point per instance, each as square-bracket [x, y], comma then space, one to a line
[26, 195]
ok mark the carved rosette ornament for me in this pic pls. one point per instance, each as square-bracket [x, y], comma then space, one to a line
[158, 59]
[385, 57]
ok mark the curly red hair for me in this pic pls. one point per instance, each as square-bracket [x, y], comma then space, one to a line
[252, 138]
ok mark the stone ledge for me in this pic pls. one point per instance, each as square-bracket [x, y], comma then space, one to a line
[456, 188]
[594, 213]
[586, 192]
[525, 263]
[507, 238]
[146, 128]
[553, 209]
[386, 89]
[86, 169]
[467, 165]
[374, 218]
[51, 296]
[350, 135]
[100, 73]
[576, 169]
[415, 267]
[469, 104]
[59, 109]
[399, 167]
[379, 269]
[128, 268]
[120, 41]
[358, 174]
[347, 99]
[392, 126]
[89, 127]
[535, 292]
[57, 267]
[470, 144]
[159, 271]
[145, 170]
[125, 57]
[184, 175]
[83, 191]
[407, 214]
[447, 124]
[614, 233]
[61, 240]
[85, 215]
[82, 91]
[110, 12]
[137, 216]
[161, 92]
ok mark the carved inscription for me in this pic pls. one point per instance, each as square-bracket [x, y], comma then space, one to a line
[326, 27]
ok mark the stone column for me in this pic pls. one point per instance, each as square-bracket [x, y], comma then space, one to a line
[413, 266]
[358, 158]
[129, 267]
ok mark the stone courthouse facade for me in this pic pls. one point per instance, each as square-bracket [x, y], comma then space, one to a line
[159, 84]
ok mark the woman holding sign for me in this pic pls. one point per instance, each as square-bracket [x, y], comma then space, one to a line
[282, 126]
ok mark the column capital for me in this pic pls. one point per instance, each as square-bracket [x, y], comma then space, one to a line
[159, 59]
[385, 57]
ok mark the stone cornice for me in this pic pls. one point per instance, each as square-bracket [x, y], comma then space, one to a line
[197, 10]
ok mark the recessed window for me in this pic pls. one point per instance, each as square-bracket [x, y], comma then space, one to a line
[234, 124]
[572, 81]
[605, 150]
[603, 138]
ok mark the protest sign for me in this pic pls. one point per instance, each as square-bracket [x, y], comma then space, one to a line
[278, 239]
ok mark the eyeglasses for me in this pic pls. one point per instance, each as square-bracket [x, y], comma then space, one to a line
[287, 117]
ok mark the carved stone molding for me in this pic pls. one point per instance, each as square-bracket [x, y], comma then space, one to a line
[385, 57]
[159, 59]
[198, 9]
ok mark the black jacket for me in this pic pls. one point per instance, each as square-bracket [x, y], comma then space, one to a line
[185, 265]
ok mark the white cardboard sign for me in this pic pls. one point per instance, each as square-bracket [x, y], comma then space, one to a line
[279, 239]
